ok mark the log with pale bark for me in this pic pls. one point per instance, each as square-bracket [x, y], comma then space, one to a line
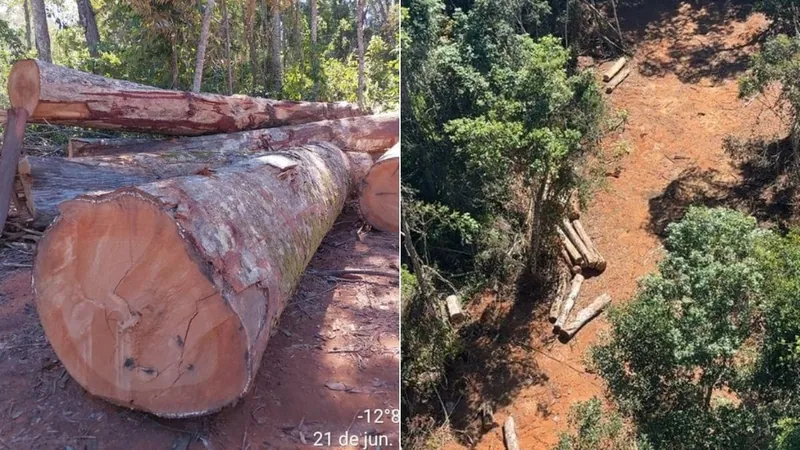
[584, 316]
[454, 310]
[379, 200]
[12, 147]
[569, 301]
[510, 434]
[588, 257]
[560, 294]
[47, 182]
[614, 69]
[599, 262]
[574, 255]
[372, 134]
[62, 96]
[162, 297]
[617, 80]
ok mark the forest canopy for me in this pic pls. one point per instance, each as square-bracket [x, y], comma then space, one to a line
[296, 50]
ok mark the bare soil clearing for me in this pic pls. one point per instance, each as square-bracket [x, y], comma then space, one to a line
[682, 101]
[335, 353]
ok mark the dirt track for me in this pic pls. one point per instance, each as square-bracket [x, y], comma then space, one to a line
[336, 354]
[681, 100]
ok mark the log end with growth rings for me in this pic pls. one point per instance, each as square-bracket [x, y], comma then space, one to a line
[153, 332]
[380, 192]
[24, 85]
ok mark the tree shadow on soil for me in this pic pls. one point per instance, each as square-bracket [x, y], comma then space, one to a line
[765, 187]
[497, 360]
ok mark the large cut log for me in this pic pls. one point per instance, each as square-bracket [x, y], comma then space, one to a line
[162, 297]
[47, 182]
[12, 147]
[379, 201]
[569, 302]
[576, 257]
[560, 294]
[613, 70]
[63, 96]
[371, 134]
[584, 316]
[599, 262]
[454, 311]
[617, 80]
[572, 235]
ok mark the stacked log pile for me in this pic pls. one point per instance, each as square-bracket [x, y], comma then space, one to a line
[167, 262]
[583, 259]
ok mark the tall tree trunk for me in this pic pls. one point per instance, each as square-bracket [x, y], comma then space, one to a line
[26, 7]
[277, 43]
[360, 37]
[89, 24]
[40, 30]
[315, 69]
[174, 63]
[250, 26]
[227, 30]
[201, 47]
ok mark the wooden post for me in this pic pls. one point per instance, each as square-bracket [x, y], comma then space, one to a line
[12, 147]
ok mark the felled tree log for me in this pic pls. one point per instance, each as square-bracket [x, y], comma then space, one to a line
[572, 235]
[617, 80]
[599, 262]
[584, 316]
[47, 182]
[569, 302]
[372, 134]
[561, 292]
[63, 96]
[379, 201]
[12, 147]
[162, 297]
[613, 70]
[576, 257]
[510, 434]
[454, 310]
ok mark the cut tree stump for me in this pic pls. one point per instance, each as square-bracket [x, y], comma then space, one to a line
[62, 96]
[613, 70]
[12, 147]
[371, 134]
[47, 182]
[510, 434]
[569, 302]
[162, 297]
[584, 316]
[617, 80]
[379, 201]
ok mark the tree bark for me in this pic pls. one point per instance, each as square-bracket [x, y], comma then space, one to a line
[250, 24]
[89, 23]
[162, 297]
[277, 44]
[573, 252]
[361, 63]
[569, 301]
[560, 294]
[613, 70]
[584, 316]
[589, 258]
[48, 182]
[41, 33]
[379, 201]
[12, 147]
[58, 95]
[599, 262]
[315, 66]
[26, 8]
[370, 134]
[616, 81]
[201, 47]
[228, 63]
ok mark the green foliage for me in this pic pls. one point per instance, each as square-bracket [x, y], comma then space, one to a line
[706, 355]
[11, 49]
[596, 427]
[777, 62]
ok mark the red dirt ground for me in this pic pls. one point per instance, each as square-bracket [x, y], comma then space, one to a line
[682, 100]
[333, 331]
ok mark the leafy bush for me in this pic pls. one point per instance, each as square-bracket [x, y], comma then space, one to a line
[596, 427]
